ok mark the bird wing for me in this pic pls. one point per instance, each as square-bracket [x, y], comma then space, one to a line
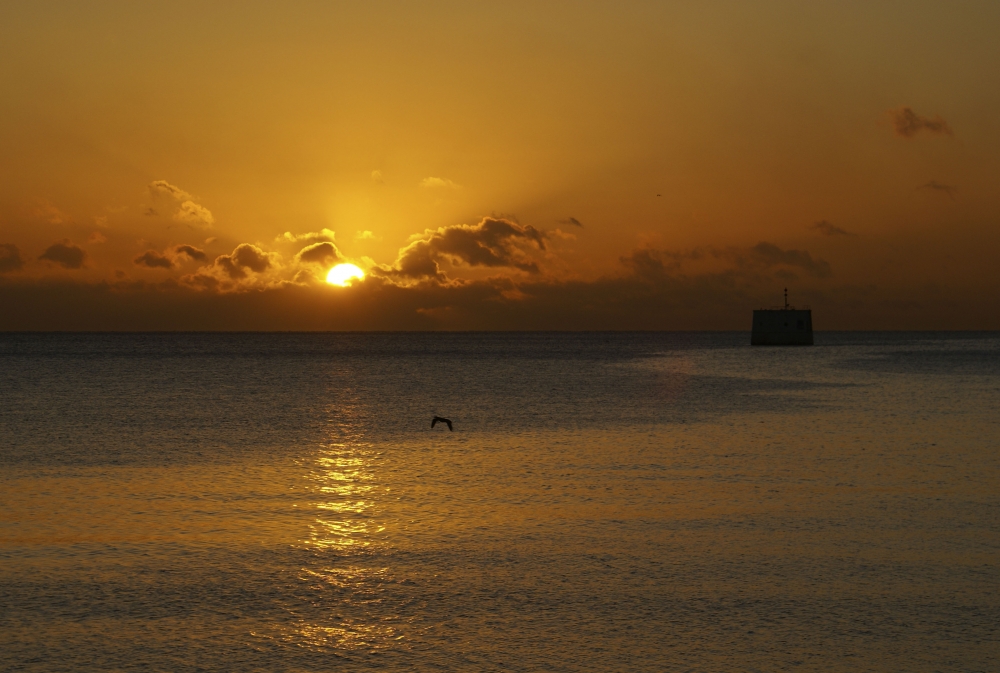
[434, 422]
[449, 426]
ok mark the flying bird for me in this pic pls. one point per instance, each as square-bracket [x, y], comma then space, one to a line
[438, 419]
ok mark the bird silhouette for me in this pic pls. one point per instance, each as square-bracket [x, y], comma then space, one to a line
[438, 419]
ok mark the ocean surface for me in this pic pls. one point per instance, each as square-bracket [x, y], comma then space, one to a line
[606, 502]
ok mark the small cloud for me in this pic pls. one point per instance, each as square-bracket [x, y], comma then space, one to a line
[191, 213]
[101, 221]
[377, 177]
[66, 254]
[936, 186]
[49, 213]
[189, 250]
[908, 123]
[244, 257]
[572, 220]
[364, 236]
[827, 229]
[439, 183]
[770, 254]
[323, 254]
[158, 187]
[10, 258]
[210, 240]
[153, 260]
[151, 212]
[322, 236]
[119, 274]
[97, 237]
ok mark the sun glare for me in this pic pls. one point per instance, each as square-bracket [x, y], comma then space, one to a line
[344, 274]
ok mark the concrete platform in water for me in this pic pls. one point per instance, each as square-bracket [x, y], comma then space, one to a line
[787, 326]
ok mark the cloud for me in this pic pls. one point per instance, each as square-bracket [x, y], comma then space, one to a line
[439, 183]
[245, 257]
[153, 259]
[908, 123]
[191, 213]
[571, 220]
[190, 251]
[364, 236]
[66, 254]
[10, 258]
[772, 255]
[188, 211]
[491, 243]
[151, 212]
[158, 187]
[936, 186]
[377, 177]
[49, 213]
[828, 229]
[325, 253]
[97, 237]
[322, 236]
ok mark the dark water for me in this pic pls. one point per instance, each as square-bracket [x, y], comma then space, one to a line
[607, 502]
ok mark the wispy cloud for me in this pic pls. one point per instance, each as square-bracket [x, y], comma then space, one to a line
[829, 229]
[942, 188]
[908, 123]
[571, 220]
[97, 237]
[377, 177]
[321, 236]
[438, 183]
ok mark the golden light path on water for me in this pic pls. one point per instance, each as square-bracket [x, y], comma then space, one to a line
[344, 538]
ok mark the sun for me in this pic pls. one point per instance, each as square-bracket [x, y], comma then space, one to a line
[344, 274]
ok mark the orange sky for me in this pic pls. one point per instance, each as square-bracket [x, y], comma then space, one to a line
[586, 165]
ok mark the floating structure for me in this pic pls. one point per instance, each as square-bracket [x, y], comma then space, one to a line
[783, 326]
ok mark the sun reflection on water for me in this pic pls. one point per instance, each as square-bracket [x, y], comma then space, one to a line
[344, 580]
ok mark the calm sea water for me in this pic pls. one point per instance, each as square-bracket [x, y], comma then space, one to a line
[606, 502]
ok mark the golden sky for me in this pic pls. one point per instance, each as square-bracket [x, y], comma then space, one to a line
[498, 165]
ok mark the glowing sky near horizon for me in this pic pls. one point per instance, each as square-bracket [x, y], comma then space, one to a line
[705, 153]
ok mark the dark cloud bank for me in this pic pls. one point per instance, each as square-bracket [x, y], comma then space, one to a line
[654, 290]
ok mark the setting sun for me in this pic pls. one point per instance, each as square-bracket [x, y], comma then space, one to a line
[344, 274]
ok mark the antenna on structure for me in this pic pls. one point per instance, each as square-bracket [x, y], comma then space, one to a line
[786, 298]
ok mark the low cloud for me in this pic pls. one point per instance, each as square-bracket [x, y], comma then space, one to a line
[939, 187]
[245, 258]
[438, 183]
[321, 236]
[324, 254]
[10, 258]
[908, 123]
[494, 243]
[828, 229]
[153, 260]
[571, 220]
[364, 236]
[66, 254]
[190, 251]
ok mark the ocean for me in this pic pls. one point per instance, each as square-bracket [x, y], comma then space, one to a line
[606, 502]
